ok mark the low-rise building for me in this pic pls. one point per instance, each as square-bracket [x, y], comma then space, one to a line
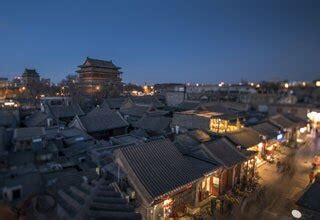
[154, 125]
[214, 118]
[142, 100]
[271, 137]
[64, 113]
[248, 139]
[101, 126]
[163, 179]
[29, 138]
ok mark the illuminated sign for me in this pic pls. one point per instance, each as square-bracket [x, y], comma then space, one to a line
[36, 140]
[279, 137]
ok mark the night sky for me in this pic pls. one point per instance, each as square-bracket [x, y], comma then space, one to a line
[164, 41]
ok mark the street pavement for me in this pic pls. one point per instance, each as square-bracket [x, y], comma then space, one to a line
[279, 191]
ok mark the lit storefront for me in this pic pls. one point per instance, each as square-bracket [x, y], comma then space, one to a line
[301, 134]
[174, 205]
[208, 187]
[220, 125]
[271, 139]
[314, 117]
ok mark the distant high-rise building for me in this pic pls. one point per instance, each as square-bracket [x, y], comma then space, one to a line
[30, 76]
[99, 77]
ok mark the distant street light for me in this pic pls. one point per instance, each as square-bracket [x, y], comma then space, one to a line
[286, 85]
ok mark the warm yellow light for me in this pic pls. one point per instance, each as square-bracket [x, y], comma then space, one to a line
[258, 85]
[167, 202]
[23, 88]
[286, 85]
[314, 116]
[302, 130]
[317, 83]
[304, 83]
[134, 92]
[270, 148]
[97, 87]
[260, 146]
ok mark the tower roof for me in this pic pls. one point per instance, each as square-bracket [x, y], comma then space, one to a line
[30, 72]
[90, 62]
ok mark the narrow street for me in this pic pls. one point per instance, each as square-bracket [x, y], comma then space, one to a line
[279, 191]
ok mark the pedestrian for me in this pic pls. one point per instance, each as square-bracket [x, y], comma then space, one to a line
[311, 177]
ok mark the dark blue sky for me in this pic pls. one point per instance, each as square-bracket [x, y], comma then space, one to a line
[164, 41]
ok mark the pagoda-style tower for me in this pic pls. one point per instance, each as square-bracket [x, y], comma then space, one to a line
[99, 76]
[30, 76]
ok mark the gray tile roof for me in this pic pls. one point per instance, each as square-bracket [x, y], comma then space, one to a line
[245, 138]
[100, 110]
[126, 139]
[224, 152]
[199, 135]
[157, 168]
[158, 124]
[136, 110]
[186, 140]
[157, 113]
[216, 107]
[147, 100]
[114, 103]
[139, 133]
[203, 166]
[99, 63]
[37, 119]
[9, 118]
[72, 132]
[296, 119]
[103, 122]
[188, 105]
[266, 129]
[282, 122]
[65, 111]
[100, 200]
[28, 133]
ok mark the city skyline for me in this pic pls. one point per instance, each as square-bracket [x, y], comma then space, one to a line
[207, 42]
